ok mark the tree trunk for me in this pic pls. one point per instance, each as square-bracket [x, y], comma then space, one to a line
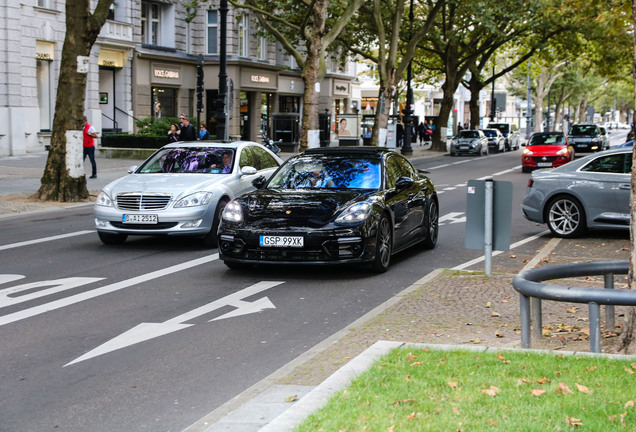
[448, 101]
[82, 29]
[475, 87]
[628, 341]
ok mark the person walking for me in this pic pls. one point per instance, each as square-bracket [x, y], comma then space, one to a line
[421, 132]
[173, 133]
[203, 133]
[89, 133]
[187, 129]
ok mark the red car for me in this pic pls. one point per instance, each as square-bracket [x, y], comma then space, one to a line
[546, 150]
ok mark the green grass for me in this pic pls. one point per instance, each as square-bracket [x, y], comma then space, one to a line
[427, 390]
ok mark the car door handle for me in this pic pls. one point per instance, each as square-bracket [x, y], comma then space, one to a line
[625, 186]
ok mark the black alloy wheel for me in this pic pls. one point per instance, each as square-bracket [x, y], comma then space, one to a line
[383, 246]
[433, 225]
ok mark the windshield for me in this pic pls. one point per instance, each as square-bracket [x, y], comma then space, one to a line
[582, 130]
[468, 134]
[328, 173]
[190, 160]
[503, 128]
[546, 139]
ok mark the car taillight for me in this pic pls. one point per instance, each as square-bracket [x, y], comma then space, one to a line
[530, 182]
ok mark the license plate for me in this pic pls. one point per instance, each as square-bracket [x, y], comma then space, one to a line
[139, 218]
[463, 147]
[581, 145]
[544, 164]
[281, 241]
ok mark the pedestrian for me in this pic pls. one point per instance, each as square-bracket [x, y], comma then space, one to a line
[90, 134]
[421, 132]
[203, 133]
[173, 133]
[399, 133]
[187, 129]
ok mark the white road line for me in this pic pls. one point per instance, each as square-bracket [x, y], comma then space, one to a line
[512, 246]
[45, 239]
[57, 304]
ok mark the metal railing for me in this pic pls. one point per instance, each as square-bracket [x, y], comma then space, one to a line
[532, 291]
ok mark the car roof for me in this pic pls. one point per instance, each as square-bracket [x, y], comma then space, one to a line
[549, 133]
[348, 151]
[211, 143]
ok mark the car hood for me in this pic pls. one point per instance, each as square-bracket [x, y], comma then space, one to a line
[270, 208]
[177, 185]
[466, 140]
[545, 150]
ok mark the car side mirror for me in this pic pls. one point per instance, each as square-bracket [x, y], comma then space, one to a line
[259, 182]
[132, 169]
[248, 170]
[403, 183]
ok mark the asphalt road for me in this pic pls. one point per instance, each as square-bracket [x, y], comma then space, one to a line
[155, 333]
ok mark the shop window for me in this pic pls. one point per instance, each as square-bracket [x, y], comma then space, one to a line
[289, 104]
[212, 32]
[244, 37]
[164, 102]
[44, 93]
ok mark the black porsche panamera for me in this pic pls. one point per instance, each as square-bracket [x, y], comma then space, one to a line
[332, 205]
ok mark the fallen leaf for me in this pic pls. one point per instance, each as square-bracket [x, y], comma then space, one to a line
[419, 363]
[633, 365]
[574, 422]
[492, 422]
[591, 368]
[488, 305]
[500, 356]
[411, 416]
[475, 341]
[489, 392]
[623, 418]
[499, 334]
[403, 401]
[456, 410]
[291, 398]
[411, 357]
[543, 381]
[628, 370]
[585, 331]
[571, 310]
[582, 388]
[629, 404]
[563, 388]
[452, 385]
[537, 392]
[495, 314]
[390, 429]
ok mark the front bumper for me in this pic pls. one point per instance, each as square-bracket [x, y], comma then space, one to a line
[321, 247]
[191, 221]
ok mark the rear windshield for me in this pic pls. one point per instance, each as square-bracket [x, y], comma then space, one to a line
[490, 133]
[190, 160]
[468, 134]
[546, 139]
[583, 130]
[503, 128]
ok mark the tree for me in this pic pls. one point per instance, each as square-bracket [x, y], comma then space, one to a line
[379, 28]
[307, 31]
[82, 29]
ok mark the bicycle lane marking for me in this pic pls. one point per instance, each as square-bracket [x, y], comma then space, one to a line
[57, 304]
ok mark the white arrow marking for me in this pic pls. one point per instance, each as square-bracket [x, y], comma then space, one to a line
[147, 331]
[453, 217]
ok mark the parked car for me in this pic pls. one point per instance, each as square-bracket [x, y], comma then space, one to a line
[592, 192]
[605, 137]
[629, 143]
[469, 142]
[510, 131]
[587, 138]
[546, 150]
[496, 141]
[332, 205]
[181, 190]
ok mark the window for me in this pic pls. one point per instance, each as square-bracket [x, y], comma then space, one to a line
[262, 48]
[45, 4]
[212, 32]
[619, 163]
[243, 37]
[164, 102]
[150, 23]
[262, 159]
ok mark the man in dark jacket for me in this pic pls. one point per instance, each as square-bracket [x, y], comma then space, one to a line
[188, 133]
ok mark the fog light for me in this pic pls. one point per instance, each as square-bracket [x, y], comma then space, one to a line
[101, 223]
[192, 224]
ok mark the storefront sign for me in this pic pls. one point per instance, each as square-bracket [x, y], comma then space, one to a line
[258, 79]
[341, 88]
[163, 74]
[166, 73]
[291, 85]
[108, 58]
[44, 50]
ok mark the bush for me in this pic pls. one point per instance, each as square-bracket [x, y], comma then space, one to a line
[156, 126]
[134, 141]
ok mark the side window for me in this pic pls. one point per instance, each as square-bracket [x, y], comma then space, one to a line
[246, 158]
[392, 172]
[615, 163]
[262, 159]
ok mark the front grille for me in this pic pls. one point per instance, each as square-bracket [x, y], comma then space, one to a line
[286, 255]
[142, 202]
[544, 158]
[157, 226]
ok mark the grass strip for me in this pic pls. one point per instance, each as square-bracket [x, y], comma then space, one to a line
[413, 389]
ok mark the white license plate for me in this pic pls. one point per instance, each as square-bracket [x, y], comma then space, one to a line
[544, 164]
[463, 147]
[581, 145]
[139, 218]
[281, 241]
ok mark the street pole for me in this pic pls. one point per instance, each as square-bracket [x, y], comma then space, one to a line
[492, 96]
[529, 110]
[547, 117]
[407, 149]
[221, 118]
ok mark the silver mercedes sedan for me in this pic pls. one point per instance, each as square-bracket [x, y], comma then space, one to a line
[181, 190]
[592, 192]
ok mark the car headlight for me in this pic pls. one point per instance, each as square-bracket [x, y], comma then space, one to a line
[354, 213]
[233, 212]
[196, 199]
[527, 152]
[562, 152]
[103, 200]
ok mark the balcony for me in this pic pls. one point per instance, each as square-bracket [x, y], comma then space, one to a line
[117, 32]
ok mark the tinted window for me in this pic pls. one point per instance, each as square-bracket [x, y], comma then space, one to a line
[583, 130]
[468, 134]
[503, 128]
[262, 158]
[620, 163]
[490, 133]
[397, 167]
[247, 159]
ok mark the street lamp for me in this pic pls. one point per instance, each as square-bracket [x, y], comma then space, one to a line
[529, 110]
[407, 149]
[221, 118]
[492, 97]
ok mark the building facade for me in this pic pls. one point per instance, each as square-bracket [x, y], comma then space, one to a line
[144, 64]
